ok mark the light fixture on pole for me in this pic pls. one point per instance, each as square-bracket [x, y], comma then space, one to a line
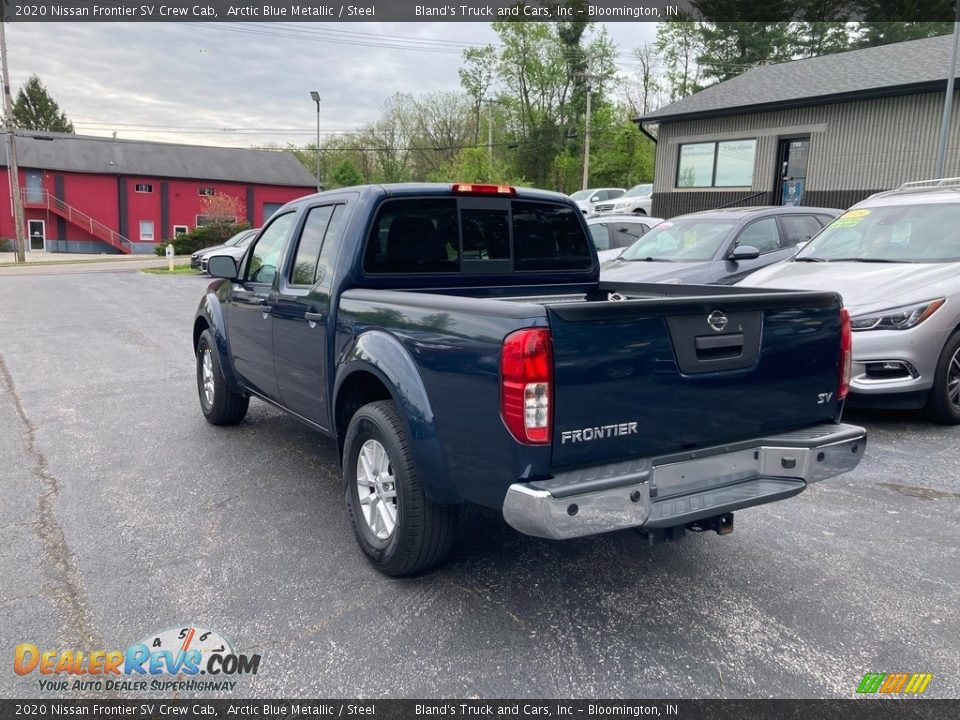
[316, 98]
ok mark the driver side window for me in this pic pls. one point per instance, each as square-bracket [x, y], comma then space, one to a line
[265, 254]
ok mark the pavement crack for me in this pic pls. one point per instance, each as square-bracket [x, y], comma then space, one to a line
[67, 587]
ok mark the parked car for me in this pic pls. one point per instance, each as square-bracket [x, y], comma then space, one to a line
[895, 258]
[455, 343]
[612, 233]
[635, 200]
[586, 199]
[234, 239]
[236, 251]
[717, 246]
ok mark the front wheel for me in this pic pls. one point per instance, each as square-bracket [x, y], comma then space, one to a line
[396, 525]
[220, 404]
[944, 400]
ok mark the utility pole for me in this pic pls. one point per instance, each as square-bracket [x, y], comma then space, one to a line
[13, 170]
[948, 100]
[489, 104]
[589, 77]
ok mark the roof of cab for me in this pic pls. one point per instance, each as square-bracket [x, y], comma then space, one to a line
[437, 189]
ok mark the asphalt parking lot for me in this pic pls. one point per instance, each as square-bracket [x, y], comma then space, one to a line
[124, 513]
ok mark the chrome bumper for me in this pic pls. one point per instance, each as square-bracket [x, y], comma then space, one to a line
[679, 489]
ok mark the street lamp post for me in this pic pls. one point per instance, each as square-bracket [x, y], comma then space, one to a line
[316, 98]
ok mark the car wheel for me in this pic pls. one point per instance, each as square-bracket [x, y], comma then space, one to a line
[220, 404]
[944, 400]
[396, 525]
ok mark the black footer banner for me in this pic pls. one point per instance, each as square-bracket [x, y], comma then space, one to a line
[854, 709]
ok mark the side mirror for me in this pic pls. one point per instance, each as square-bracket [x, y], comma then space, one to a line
[744, 252]
[595, 198]
[222, 266]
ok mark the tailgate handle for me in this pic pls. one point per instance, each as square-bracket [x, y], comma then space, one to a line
[715, 342]
[718, 347]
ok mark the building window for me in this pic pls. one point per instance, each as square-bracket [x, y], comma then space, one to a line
[180, 230]
[146, 230]
[206, 191]
[143, 187]
[727, 163]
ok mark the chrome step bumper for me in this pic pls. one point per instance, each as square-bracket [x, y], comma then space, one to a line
[681, 488]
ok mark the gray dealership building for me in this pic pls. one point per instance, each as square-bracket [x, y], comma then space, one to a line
[824, 131]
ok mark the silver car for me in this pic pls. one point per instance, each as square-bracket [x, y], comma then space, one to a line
[586, 200]
[895, 259]
[236, 251]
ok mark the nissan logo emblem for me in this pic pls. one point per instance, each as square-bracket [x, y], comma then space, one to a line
[717, 320]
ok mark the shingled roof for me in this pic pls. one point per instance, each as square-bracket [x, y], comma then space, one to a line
[896, 69]
[86, 154]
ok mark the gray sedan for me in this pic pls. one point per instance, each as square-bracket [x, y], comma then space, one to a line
[717, 246]
[895, 259]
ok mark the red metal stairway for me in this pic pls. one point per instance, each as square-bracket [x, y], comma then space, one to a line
[45, 201]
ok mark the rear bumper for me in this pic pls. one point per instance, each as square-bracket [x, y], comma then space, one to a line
[678, 489]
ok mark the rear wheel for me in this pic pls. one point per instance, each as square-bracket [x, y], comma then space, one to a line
[944, 400]
[396, 525]
[220, 404]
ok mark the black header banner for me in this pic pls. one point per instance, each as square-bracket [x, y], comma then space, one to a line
[854, 709]
[482, 11]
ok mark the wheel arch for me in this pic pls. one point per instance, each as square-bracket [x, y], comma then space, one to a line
[378, 367]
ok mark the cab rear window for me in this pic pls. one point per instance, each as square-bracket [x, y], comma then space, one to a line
[475, 236]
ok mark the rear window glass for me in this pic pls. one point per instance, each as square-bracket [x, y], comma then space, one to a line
[443, 235]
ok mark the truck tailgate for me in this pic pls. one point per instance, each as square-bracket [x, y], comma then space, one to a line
[646, 377]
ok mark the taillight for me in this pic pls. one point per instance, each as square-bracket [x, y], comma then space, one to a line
[475, 189]
[526, 384]
[846, 354]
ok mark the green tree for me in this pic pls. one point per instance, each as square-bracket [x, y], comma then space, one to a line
[34, 109]
[679, 44]
[346, 174]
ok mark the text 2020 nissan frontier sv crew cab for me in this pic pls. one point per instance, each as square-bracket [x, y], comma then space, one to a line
[457, 343]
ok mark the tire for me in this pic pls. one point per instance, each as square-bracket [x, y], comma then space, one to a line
[422, 532]
[226, 407]
[945, 379]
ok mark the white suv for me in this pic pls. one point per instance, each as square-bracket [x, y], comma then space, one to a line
[635, 200]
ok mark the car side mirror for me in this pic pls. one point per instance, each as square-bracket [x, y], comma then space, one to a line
[595, 198]
[744, 252]
[222, 266]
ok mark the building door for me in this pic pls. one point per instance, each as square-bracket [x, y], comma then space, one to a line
[791, 176]
[269, 209]
[34, 186]
[37, 231]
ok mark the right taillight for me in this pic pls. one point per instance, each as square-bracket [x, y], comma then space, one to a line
[846, 354]
[526, 382]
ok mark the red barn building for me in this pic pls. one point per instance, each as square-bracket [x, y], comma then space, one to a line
[93, 195]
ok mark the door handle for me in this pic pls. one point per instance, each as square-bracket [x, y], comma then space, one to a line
[314, 317]
[265, 308]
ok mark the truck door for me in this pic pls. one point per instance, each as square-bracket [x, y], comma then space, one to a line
[249, 320]
[301, 315]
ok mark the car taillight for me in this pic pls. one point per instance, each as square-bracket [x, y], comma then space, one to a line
[526, 384]
[846, 353]
[475, 189]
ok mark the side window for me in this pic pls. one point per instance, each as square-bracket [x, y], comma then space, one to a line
[304, 270]
[625, 234]
[600, 235]
[265, 254]
[799, 228]
[761, 234]
[331, 243]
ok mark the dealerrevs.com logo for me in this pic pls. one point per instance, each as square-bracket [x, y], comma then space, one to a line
[168, 661]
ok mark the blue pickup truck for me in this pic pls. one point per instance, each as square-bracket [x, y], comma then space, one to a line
[457, 343]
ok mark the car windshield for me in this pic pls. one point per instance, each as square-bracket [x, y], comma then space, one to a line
[235, 240]
[245, 240]
[690, 240]
[639, 191]
[581, 195]
[919, 233]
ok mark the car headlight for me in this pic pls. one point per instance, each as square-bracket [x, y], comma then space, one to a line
[901, 318]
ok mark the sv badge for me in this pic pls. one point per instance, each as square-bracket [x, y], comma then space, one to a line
[824, 398]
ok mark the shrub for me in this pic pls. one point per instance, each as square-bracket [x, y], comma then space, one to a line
[6, 245]
[201, 237]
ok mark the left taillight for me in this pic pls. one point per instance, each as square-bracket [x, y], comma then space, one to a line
[846, 354]
[526, 385]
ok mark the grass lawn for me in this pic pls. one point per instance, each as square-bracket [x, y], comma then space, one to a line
[177, 270]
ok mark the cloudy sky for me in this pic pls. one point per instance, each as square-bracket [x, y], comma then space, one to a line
[244, 84]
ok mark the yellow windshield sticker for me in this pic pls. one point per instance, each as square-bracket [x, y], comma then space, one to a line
[850, 218]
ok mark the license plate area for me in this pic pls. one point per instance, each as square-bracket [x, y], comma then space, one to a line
[704, 473]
